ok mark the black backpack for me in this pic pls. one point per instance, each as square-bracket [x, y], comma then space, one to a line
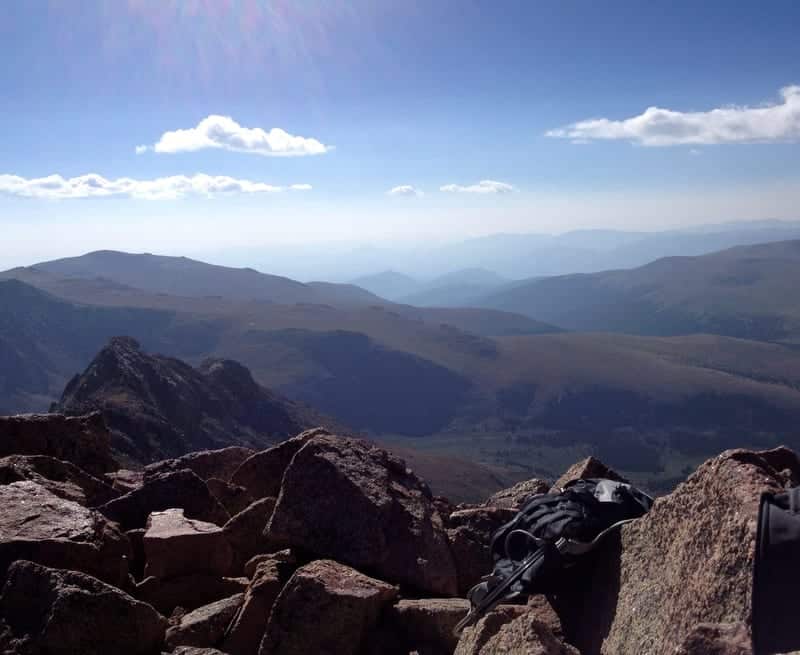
[776, 574]
[547, 535]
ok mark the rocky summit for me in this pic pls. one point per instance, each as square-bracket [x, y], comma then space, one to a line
[158, 407]
[337, 547]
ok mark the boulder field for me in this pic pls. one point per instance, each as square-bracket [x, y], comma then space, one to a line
[330, 544]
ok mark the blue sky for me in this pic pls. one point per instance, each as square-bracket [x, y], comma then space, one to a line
[413, 96]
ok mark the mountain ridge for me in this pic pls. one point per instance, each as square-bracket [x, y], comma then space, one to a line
[743, 291]
[158, 407]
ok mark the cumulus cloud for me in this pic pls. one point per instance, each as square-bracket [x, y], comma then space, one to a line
[768, 123]
[225, 133]
[300, 187]
[404, 190]
[484, 186]
[96, 186]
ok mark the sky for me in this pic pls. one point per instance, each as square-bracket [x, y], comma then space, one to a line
[184, 127]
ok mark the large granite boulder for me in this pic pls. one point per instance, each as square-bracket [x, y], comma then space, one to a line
[689, 561]
[82, 440]
[351, 501]
[176, 546]
[205, 626]
[261, 473]
[57, 612]
[166, 491]
[325, 607]
[37, 525]
[206, 464]
[63, 479]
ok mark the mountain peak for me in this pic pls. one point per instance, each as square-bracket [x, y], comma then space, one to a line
[160, 407]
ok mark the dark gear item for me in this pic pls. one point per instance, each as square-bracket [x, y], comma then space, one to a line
[548, 535]
[776, 574]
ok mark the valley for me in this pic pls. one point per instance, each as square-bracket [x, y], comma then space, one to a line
[514, 394]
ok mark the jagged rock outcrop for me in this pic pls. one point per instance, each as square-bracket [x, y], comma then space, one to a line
[340, 603]
[37, 525]
[518, 495]
[165, 491]
[175, 546]
[64, 612]
[60, 478]
[676, 581]
[82, 440]
[262, 473]
[205, 626]
[348, 500]
[158, 407]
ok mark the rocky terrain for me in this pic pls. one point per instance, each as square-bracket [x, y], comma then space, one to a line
[158, 407]
[330, 544]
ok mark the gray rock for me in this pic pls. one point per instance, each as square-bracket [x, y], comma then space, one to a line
[64, 612]
[368, 511]
[37, 525]
[205, 626]
[325, 607]
[176, 546]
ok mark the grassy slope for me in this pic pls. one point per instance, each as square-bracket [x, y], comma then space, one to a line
[746, 291]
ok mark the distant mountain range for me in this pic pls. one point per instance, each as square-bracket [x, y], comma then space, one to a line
[52, 324]
[495, 386]
[455, 289]
[180, 276]
[512, 256]
[747, 292]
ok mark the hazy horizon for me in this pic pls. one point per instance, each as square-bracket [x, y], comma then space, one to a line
[195, 127]
[346, 260]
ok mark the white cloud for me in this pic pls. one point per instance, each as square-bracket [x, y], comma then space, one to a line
[223, 132]
[96, 186]
[405, 190]
[300, 187]
[484, 186]
[769, 123]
